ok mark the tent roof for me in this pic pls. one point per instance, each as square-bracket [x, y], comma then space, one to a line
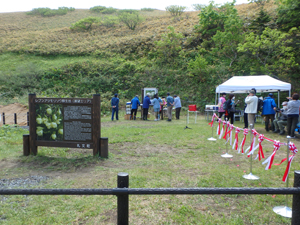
[262, 83]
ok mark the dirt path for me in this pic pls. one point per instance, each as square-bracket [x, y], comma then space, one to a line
[9, 110]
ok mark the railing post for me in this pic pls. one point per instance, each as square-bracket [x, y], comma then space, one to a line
[26, 148]
[123, 204]
[3, 117]
[15, 118]
[296, 200]
[27, 118]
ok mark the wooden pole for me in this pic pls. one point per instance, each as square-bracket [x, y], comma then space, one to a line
[96, 124]
[32, 127]
[26, 148]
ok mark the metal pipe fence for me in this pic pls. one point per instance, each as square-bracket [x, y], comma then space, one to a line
[122, 192]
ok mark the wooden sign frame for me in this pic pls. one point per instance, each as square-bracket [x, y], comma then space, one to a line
[95, 121]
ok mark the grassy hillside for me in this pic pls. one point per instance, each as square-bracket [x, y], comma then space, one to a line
[21, 33]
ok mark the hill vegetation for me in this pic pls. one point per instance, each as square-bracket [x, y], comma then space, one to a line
[187, 54]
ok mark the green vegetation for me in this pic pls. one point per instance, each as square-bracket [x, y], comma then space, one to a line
[47, 12]
[84, 24]
[147, 9]
[143, 149]
[187, 55]
[131, 20]
[97, 9]
[175, 10]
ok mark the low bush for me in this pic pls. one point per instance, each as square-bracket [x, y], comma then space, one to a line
[175, 10]
[131, 11]
[147, 9]
[131, 20]
[109, 10]
[84, 24]
[97, 9]
[47, 12]
[109, 21]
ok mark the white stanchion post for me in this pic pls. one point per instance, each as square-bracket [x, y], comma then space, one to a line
[250, 176]
[285, 210]
[226, 155]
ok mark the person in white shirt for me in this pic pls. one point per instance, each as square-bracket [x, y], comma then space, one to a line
[177, 104]
[251, 101]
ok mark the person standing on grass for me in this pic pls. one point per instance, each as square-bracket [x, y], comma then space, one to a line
[269, 108]
[156, 106]
[146, 103]
[177, 104]
[229, 112]
[251, 109]
[115, 107]
[222, 100]
[135, 103]
[292, 114]
[170, 103]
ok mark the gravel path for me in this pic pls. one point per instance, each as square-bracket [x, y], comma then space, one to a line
[22, 182]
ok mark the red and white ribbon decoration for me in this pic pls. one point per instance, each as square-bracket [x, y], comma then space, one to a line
[252, 148]
[224, 123]
[212, 120]
[236, 139]
[270, 159]
[226, 132]
[229, 133]
[294, 150]
[260, 153]
[219, 126]
[243, 141]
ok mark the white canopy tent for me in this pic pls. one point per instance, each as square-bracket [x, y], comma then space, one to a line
[262, 83]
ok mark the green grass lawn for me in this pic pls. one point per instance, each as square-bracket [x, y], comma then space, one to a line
[155, 154]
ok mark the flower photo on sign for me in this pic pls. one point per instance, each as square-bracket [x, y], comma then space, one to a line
[49, 122]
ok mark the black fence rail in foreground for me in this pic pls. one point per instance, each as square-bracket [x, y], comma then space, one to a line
[122, 192]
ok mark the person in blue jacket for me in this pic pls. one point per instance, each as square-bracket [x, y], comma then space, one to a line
[135, 103]
[268, 111]
[115, 107]
[146, 103]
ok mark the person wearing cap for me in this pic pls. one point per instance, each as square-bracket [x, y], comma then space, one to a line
[268, 111]
[177, 104]
[134, 106]
[251, 109]
[146, 104]
[222, 100]
[281, 121]
[170, 103]
[115, 107]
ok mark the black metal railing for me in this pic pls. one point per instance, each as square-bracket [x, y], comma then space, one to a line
[122, 192]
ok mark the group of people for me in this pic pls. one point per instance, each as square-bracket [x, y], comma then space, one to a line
[157, 102]
[289, 114]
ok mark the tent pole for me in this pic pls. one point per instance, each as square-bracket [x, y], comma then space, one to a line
[279, 99]
[216, 99]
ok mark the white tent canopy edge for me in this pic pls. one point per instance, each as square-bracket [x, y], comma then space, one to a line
[243, 84]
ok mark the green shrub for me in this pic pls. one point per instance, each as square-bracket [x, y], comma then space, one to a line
[131, 20]
[109, 21]
[147, 9]
[131, 11]
[97, 9]
[84, 24]
[198, 7]
[109, 10]
[38, 11]
[47, 12]
[175, 10]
